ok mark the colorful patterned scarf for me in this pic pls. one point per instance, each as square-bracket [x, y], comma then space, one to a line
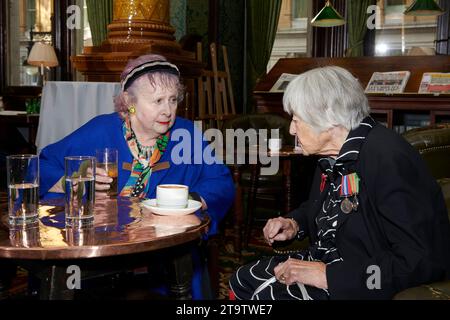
[144, 159]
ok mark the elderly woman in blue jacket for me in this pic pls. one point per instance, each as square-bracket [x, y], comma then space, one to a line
[142, 131]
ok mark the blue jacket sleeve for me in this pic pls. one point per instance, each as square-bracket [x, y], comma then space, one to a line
[98, 132]
[51, 168]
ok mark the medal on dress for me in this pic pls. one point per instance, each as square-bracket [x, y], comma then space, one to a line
[355, 202]
[349, 188]
[323, 181]
[346, 206]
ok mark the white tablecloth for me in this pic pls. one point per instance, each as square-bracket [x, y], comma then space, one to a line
[66, 106]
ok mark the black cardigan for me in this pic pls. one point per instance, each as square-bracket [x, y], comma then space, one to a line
[401, 225]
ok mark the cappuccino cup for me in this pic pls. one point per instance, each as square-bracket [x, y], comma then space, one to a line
[172, 196]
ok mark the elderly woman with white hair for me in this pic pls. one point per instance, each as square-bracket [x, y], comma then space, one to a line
[376, 219]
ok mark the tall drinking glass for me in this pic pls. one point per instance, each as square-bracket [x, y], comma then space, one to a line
[80, 190]
[84, 236]
[25, 236]
[107, 159]
[23, 188]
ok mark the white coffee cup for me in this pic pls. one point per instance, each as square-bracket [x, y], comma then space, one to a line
[275, 144]
[172, 196]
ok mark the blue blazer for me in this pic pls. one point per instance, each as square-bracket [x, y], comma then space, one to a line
[213, 182]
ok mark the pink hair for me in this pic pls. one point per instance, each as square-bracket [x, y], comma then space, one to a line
[155, 78]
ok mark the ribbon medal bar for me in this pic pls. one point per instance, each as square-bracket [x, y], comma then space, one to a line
[349, 188]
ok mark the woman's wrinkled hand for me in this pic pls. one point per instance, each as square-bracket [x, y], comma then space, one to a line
[280, 229]
[306, 272]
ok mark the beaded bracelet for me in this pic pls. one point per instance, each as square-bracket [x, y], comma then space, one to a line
[300, 233]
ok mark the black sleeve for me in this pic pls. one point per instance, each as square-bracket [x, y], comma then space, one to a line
[300, 215]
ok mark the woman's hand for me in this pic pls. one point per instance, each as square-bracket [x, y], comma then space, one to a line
[102, 182]
[306, 272]
[280, 229]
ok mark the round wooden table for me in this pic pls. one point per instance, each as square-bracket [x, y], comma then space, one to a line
[122, 235]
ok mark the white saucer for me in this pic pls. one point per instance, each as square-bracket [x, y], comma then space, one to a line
[191, 208]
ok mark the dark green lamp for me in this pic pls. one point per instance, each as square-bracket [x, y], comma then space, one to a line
[424, 8]
[328, 17]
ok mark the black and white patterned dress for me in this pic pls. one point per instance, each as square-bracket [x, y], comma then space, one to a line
[255, 281]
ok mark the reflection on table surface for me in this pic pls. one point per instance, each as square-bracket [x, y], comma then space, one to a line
[120, 226]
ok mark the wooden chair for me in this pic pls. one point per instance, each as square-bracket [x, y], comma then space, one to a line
[215, 91]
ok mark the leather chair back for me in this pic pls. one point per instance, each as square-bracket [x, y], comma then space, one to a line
[433, 143]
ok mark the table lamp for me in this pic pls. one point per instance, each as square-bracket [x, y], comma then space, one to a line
[43, 55]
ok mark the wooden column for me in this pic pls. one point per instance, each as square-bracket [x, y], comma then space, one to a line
[142, 22]
[139, 27]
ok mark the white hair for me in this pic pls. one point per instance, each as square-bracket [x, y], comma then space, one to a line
[327, 97]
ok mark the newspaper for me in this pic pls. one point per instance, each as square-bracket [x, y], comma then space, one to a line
[435, 82]
[282, 82]
[388, 82]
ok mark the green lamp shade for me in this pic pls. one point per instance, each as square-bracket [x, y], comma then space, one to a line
[424, 8]
[328, 17]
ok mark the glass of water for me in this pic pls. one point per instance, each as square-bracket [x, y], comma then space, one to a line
[23, 188]
[79, 190]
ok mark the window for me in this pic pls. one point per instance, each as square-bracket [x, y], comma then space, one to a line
[87, 36]
[397, 34]
[292, 35]
[82, 37]
[28, 21]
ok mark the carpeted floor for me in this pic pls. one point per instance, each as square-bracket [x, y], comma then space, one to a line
[229, 261]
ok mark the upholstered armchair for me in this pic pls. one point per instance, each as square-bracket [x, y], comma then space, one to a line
[433, 143]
